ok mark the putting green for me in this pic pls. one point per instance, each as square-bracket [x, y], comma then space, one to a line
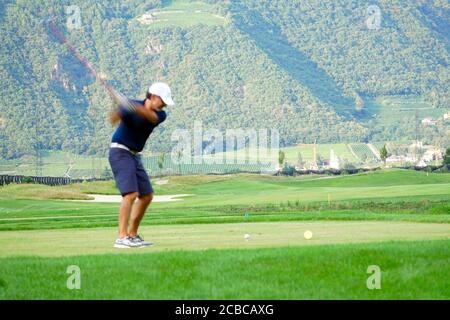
[71, 242]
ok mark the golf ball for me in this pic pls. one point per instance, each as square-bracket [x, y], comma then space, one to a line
[308, 234]
[246, 236]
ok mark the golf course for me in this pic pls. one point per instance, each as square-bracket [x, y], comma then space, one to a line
[398, 220]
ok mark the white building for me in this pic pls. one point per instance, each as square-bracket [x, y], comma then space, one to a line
[446, 116]
[335, 162]
[147, 18]
[399, 159]
[421, 163]
[416, 144]
[432, 154]
[429, 121]
[313, 166]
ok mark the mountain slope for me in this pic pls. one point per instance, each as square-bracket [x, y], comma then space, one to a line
[294, 67]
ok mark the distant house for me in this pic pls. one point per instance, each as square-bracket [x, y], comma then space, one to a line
[153, 48]
[429, 121]
[421, 163]
[409, 158]
[394, 158]
[432, 154]
[399, 159]
[446, 116]
[427, 156]
[313, 166]
[147, 18]
[416, 144]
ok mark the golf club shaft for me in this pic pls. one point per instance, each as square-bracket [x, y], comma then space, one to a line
[118, 98]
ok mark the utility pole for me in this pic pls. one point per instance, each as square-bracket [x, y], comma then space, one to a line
[37, 146]
[416, 117]
[315, 154]
[95, 170]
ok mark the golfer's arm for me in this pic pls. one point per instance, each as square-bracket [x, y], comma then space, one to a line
[150, 115]
[114, 118]
[119, 115]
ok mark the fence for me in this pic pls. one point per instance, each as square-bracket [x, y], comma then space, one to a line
[205, 169]
[50, 181]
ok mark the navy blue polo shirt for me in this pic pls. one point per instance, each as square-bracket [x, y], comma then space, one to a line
[134, 130]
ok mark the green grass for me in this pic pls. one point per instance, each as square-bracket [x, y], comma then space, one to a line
[386, 183]
[185, 14]
[189, 5]
[72, 191]
[362, 151]
[35, 214]
[409, 270]
[55, 164]
[398, 195]
[397, 219]
[382, 178]
[217, 236]
[307, 152]
[389, 110]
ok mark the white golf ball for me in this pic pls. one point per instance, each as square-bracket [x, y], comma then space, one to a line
[308, 234]
[246, 236]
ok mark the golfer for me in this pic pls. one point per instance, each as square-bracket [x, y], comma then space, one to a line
[127, 144]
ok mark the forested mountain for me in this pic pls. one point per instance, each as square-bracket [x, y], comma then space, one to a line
[307, 68]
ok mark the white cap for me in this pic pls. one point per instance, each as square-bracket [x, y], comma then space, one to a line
[163, 91]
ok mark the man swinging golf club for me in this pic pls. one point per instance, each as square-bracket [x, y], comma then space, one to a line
[128, 141]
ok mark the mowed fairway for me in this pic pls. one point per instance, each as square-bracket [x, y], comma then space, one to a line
[217, 236]
[398, 220]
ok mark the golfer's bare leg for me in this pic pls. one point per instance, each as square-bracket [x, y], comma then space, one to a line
[124, 213]
[138, 213]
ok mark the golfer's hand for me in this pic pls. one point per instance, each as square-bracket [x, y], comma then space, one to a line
[114, 118]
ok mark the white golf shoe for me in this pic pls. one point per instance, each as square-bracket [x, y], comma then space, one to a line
[126, 243]
[138, 239]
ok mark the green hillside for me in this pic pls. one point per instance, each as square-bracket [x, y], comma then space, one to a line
[295, 67]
